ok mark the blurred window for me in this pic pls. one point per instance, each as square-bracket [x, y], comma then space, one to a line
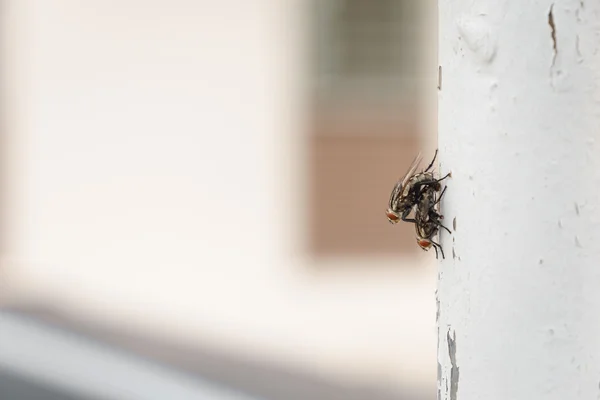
[364, 47]
[364, 130]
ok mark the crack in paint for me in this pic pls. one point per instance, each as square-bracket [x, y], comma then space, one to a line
[552, 33]
[454, 370]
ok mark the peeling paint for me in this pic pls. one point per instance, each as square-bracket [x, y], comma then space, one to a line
[577, 12]
[454, 370]
[578, 49]
[552, 33]
[439, 377]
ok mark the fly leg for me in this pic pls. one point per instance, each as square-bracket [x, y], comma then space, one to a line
[436, 246]
[404, 216]
[436, 253]
[438, 223]
[430, 182]
[441, 195]
[438, 216]
[435, 219]
[449, 174]
[432, 161]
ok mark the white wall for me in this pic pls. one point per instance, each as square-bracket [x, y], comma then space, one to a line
[518, 128]
[154, 160]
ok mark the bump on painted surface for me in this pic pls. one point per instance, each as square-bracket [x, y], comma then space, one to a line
[478, 36]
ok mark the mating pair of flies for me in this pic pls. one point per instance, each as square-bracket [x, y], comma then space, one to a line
[418, 191]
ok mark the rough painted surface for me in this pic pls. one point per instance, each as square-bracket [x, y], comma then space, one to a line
[439, 377]
[454, 370]
[519, 127]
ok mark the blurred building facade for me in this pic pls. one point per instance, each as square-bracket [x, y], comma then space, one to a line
[216, 174]
[366, 118]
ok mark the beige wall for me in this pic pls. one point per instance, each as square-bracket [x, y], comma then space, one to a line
[157, 182]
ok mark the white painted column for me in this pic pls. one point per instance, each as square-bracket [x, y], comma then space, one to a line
[519, 127]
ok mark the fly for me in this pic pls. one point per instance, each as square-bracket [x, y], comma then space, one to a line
[407, 192]
[428, 218]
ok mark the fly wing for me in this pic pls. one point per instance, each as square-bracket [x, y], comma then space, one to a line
[402, 182]
[395, 194]
[413, 167]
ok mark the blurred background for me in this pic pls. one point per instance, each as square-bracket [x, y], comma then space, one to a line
[193, 197]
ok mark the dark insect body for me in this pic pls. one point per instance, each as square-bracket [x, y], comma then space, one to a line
[407, 192]
[428, 220]
[418, 192]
